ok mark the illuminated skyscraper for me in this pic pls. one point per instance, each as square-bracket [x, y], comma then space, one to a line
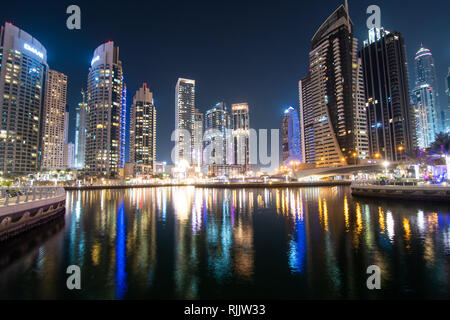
[332, 113]
[240, 121]
[23, 68]
[54, 120]
[447, 111]
[197, 153]
[143, 128]
[184, 119]
[391, 119]
[217, 130]
[290, 136]
[430, 118]
[105, 116]
[80, 133]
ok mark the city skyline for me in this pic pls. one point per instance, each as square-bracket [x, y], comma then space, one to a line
[269, 106]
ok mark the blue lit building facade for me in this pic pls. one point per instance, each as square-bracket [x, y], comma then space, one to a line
[291, 136]
[23, 70]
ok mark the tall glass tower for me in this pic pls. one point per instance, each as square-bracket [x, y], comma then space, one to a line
[390, 115]
[217, 130]
[23, 69]
[430, 117]
[291, 136]
[332, 114]
[240, 122]
[105, 116]
[80, 133]
[143, 128]
[55, 119]
[184, 119]
[447, 111]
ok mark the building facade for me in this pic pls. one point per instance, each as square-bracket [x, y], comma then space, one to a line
[331, 115]
[217, 146]
[184, 119]
[390, 115]
[430, 117]
[197, 151]
[240, 121]
[23, 69]
[55, 120]
[80, 133]
[447, 111]
[143, 128]
[290, 130]
[105, 113]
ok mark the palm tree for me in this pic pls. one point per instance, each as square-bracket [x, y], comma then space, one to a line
[441, 144]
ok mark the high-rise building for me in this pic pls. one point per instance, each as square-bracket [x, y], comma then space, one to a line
[143, 128]
[390, 114]
[105, 114]
[184, 119]
[290, 136]
[447, 111]
[69, 155]
[23, 68]
[80, 133]
[240, 122]
[197, 152]
[55, 122]
[217, 131]
[332, 115]
[430, 117]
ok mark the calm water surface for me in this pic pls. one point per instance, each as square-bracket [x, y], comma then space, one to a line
[188, 243]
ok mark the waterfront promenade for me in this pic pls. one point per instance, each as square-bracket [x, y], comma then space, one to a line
[222, 185]
[23, 208]
[404, 192]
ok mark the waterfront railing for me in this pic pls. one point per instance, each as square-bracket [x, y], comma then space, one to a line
[17, 195]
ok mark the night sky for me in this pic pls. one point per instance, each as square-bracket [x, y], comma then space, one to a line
[236, 50]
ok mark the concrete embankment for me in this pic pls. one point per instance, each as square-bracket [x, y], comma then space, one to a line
[423, 192]
[20, 217]
[234, 185]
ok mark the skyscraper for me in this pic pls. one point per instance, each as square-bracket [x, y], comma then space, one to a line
[104, 126]
[290, 136]
[54, 120]
[80, 133]
[197, 152]
[430, 117]
[447, 111]
[240, 121]
[143, 128]
[391, 126]
[184, 119]
[217, 130]
[331, 114]
[23, 68]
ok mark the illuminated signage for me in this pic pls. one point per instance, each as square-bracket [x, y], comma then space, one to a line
[33, 50]
[95, 59]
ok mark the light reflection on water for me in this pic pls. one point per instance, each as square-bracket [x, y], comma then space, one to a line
[188, 243]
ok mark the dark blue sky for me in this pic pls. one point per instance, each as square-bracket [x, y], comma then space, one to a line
[236, 50]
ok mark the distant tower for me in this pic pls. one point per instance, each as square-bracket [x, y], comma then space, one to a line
[184, 118]
[291, 136]
[217, 129]
[430, 117]
[390, 115]
[447, 112]
[143, 128]
[240, 121]
[197, 152]
[105, 117]
[54, 136]
[80, 133]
